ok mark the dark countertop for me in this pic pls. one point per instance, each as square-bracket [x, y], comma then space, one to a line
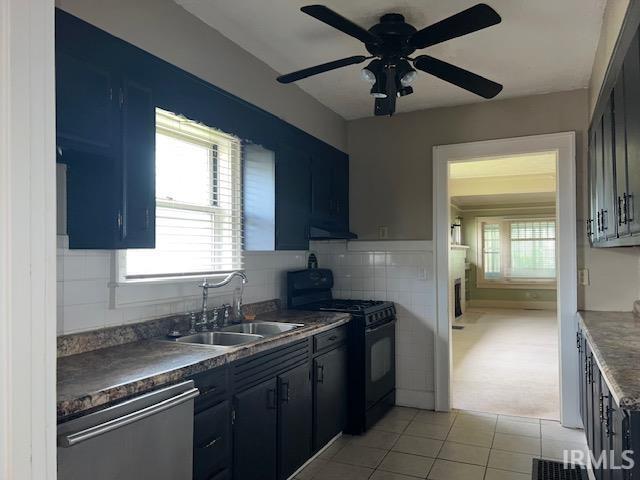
[615, 341]
[99, 377]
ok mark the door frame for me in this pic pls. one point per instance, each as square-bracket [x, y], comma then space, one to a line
[27, 240]
[564, 145]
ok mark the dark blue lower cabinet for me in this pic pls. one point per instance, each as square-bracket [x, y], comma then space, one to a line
[330, 384]
[212, 441]
[613, 433]
[294, 420]
[255, 432]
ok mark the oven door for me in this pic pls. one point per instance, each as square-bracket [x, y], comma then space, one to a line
[380, 351]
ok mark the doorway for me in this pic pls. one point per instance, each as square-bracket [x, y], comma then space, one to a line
[561, 147]
[503, 275]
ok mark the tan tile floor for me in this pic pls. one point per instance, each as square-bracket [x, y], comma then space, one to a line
[462, 445]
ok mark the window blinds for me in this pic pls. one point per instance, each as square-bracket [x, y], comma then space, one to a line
[533, 249]
[198, 203]
[518, 250]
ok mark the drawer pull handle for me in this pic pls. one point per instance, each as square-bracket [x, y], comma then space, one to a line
[212, 442]
[333, 338]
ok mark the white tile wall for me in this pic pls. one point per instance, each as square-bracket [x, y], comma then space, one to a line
[85, 295]
[401, 272]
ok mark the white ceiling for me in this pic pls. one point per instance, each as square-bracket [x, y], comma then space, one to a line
[528, 164]
[540, 46]
[513, 200]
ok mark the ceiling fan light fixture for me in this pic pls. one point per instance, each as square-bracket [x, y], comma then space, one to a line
[408, 78]
[377, 92]
[406, 73]
[368, 75]
[372, 72]
[404, 91]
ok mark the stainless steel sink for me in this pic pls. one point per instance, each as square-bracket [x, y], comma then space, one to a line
[226, 339]
[262, 328]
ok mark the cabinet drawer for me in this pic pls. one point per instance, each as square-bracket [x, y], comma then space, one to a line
[211, 441]
[213, 386]
[330, 339]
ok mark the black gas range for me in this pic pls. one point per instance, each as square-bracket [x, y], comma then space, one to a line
[372, 372]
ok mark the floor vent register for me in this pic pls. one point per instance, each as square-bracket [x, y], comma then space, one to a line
[551, 470]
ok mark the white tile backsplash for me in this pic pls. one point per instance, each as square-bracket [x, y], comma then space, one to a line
[401, 272]
[85, 291]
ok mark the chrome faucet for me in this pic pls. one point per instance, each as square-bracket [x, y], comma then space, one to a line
[237, 307]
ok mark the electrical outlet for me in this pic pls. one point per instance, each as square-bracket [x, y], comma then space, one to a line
[583, 276]
[383, 232]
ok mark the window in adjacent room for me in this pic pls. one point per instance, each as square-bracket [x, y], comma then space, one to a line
[198, 203]
[516, 251]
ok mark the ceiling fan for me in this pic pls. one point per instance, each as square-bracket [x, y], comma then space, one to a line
[392, 41]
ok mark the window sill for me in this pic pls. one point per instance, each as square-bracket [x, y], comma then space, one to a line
[518, 285]
[167, 280]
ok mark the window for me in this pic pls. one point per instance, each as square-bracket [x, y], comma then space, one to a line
[516, 251]
[198, 203]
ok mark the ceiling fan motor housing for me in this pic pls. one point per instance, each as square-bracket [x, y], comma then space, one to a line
[395, 34]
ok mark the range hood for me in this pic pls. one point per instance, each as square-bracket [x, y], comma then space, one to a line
[320, 233]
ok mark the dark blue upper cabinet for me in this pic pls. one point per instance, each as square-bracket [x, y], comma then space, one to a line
[85, 107]
[107, 93]
[293, 198]
[138, 166]
[330, 191]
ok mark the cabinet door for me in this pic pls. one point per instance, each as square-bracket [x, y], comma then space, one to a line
[591, 221]
[85, 104]
[618, 433]
[331, 390]
[589, 395]
[600, 439]
[321, 189]
[340, 191]
[632, 110]
[595, 171]
[581, 376]
[294, 420]
[138, 166]
[211, 441]
[293, 199]
[608, 181]
[620, 146]
[255, 434]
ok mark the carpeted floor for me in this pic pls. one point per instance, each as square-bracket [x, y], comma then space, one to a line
[506, 362]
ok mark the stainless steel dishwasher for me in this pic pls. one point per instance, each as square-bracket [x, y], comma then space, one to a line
[146, 437]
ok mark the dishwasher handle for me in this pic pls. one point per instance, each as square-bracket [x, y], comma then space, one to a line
[75, 438]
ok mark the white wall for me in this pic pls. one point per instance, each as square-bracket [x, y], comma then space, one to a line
[85, 295]
[401, 272]
[167, 30]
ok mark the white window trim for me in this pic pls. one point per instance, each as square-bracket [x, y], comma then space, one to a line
[507, 282]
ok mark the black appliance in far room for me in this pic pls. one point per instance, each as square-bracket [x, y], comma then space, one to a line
[372, 336]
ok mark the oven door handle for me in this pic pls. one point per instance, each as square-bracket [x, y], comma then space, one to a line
[380, 327]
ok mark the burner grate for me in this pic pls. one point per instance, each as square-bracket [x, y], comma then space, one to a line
[551, 470]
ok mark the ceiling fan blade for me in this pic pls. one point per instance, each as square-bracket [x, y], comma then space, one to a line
[333, 19]
[470, 20]
[458, 76]
[325, 67]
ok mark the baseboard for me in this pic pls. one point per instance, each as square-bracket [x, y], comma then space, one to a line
[415, 399]
[529, 305]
